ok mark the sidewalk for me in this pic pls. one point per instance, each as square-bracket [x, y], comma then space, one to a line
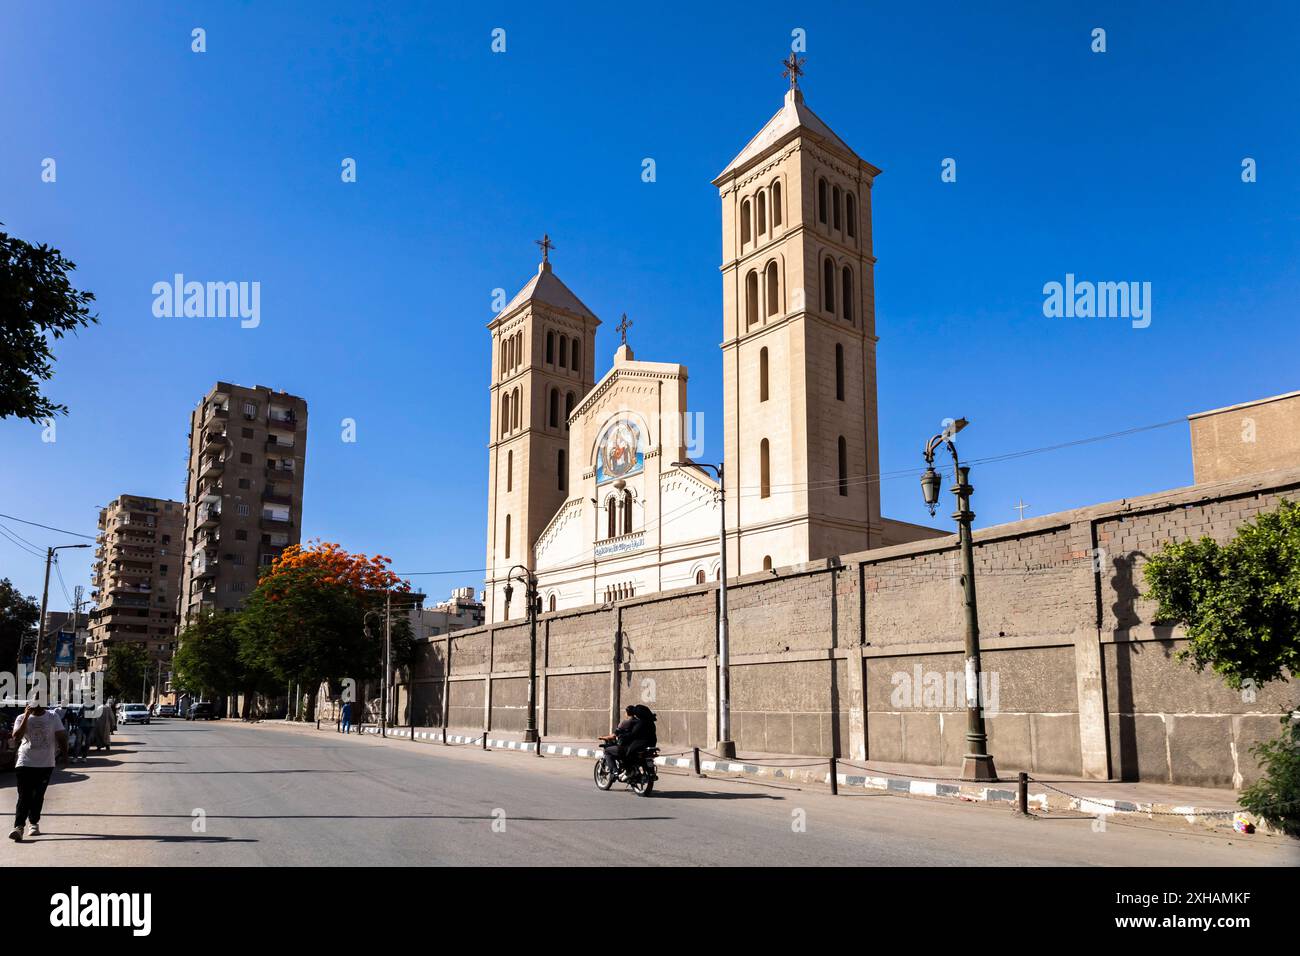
[1049, 794]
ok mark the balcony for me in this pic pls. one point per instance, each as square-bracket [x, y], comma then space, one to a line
[208, 517]
[211, 466]
[277, 498]
[274, 445]
[214, 440]
[284, 423]
[207, 540]
[204, 566]
[271, 522]
[217, 415]
[279, 472]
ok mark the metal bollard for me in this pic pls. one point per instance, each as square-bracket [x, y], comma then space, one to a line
[485, 740]
[444, 735]
[412, 730]
[697, 761]
[538, 747]
[835, 779]
[1022, 794]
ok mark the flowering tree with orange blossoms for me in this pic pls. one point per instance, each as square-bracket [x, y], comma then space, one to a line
[305, 620]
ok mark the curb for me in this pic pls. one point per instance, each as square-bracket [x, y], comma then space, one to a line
[1042, 801]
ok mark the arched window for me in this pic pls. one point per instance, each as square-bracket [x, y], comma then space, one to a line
[828, 287]
[519, 349]
[764, 470]
[851, 215]
[573, 356]
[846, 300]
[568, 409]
[509, 346]
[744, 222]
[611, 515]
[839, 372]
[505, 366]
[564, 351]
[751, 298]
[510, 470]
[844, 467]
[762, 212]
[555, 408]
[505, 413]
[514, 410]
[821, 201]
[507, 537]
[776, 204]
[562, 470]
[699, 576]
[552, 604]
[762, 374]
[627, 512]
[767, 562]
[773, 291]
[550, 348]
[717, 575]
[835, 207]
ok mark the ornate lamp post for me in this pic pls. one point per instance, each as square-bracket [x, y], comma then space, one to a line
[726, 746]
[529, 580]
[977, 764]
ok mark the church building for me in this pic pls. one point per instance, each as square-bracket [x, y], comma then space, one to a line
[591, 487]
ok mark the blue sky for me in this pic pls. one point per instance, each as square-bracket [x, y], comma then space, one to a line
[1119, 166]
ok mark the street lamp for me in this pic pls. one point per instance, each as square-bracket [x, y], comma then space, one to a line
[977, 764]
[45, 600]
[530, 583]
[726, 746]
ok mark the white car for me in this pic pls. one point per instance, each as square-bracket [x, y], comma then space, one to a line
[133, 714]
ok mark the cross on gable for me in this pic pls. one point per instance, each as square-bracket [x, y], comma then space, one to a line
[793, 69]
[622, 327]
[547, 246]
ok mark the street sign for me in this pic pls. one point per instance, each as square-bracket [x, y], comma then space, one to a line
[65, 649]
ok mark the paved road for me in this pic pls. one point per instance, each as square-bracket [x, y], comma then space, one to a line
[287, 796]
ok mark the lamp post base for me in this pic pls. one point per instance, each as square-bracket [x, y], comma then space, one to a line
[979, 768]
[727, 749]
[530, 735]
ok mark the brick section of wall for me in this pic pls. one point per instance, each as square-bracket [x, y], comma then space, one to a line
[1049, 604]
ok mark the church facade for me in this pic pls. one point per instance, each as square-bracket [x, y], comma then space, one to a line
[591, 486]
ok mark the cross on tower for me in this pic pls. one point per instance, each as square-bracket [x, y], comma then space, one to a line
[1021, 506]
[622, 327]
[793, 69]
[547, 246]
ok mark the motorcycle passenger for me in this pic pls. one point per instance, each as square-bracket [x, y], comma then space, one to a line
[643, 736]
[615, 744]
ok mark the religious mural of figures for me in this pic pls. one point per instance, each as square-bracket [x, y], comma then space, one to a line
[619, 452]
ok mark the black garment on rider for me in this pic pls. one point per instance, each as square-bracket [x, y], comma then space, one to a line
[624, 733]
[642, 737]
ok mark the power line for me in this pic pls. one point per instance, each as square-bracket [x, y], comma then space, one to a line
[35, 524]
[20, 545]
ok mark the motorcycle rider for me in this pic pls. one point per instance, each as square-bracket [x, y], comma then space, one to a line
[615, 744]
[643, 735]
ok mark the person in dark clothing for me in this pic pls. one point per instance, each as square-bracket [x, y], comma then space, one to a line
[615, 743]
[347, 716]
[643, 735]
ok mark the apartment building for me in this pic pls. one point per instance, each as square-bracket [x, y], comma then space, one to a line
[136, 577]
[243, 492]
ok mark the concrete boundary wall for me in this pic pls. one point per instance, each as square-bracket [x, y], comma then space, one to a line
[861, 656]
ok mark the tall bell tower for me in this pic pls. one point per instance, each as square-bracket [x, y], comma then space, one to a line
[799, 344]
[543, 359]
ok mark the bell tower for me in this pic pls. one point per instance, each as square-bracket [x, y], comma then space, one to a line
[799, 344]
[543, 345]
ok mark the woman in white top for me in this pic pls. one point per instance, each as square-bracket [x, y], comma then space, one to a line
[41, 736]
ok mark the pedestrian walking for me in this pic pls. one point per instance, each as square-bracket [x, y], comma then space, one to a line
[347, 716]
[41, 736]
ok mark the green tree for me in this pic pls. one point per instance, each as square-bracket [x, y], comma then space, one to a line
[1238, 602]
[1240, 606]
[18, 617]
[124, 675]
[37, 304]
[207, 662]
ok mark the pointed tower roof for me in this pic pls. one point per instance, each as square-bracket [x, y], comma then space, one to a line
[546, 288]
[793, 117]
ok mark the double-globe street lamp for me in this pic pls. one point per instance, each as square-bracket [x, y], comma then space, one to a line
[726, 746]
[977, 764]
[529, 580]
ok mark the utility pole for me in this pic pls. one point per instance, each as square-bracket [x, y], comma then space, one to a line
[388, 636]
[45, 603]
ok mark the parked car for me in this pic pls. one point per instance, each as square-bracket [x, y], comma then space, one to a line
[203, 710]
[166, 710]
[132, 714]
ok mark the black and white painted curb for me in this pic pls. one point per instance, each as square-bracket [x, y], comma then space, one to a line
[1043, 802]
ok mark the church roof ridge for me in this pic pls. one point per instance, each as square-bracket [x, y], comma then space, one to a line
[793, 115]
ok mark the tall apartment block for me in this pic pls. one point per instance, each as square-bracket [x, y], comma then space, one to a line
[243, 494]
[136, 576]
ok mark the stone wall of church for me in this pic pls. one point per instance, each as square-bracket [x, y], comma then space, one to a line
[862, 656]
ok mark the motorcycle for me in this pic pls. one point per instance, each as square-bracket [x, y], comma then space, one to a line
[640, 777]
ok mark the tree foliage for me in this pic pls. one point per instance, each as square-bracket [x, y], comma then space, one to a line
[124, 675]
[37, 304]
[1239, 602]
[18, 617]
[207, 658]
